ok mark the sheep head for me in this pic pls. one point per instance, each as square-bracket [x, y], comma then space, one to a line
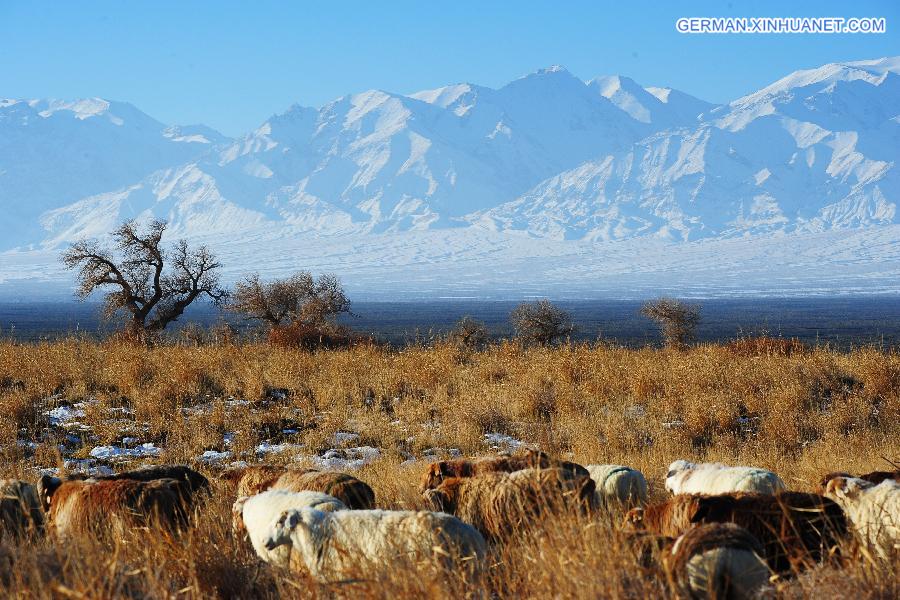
[46, 487]
[678, 466]
[823, 484]
[280, 532]
[845, 487]
[634, 520]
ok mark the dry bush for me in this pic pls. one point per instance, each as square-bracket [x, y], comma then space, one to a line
[765, 346]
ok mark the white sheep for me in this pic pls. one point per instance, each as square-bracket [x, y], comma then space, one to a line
[255, 515]
[618, 486]
[338, 545]
[715, 478]
[873, 509]
[719, 560]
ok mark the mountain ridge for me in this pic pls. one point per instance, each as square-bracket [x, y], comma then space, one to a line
[547, 156]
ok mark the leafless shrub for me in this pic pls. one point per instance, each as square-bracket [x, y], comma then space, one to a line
[540, 322]
[469, 334]
[677, 320]
[300, 299]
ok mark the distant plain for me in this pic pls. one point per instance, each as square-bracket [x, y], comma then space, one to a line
[842, 322]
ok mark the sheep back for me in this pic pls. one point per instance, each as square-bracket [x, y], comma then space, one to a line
[715, 478]
[466, 467]
[340, 544]
[720, 560]
[353, 492]
[251, 480]
[875, 477]
[113, 506]
[618, 485]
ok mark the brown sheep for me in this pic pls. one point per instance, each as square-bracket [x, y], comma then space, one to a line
[466, 467]
[795, 528]
[497, 504]
[114, 506]
[354, 493]
[20, 509]
[875, 477]
[190, 482]
[249, 481]
[194, 482]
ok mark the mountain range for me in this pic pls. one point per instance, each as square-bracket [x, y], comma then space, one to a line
[471, 189]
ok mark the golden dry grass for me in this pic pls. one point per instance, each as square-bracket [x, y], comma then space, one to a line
[800, 413]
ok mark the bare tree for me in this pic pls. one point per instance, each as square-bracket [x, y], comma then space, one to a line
[153, 287]
[298, 299]
[677, 320]
[469, 333]
[540, 322]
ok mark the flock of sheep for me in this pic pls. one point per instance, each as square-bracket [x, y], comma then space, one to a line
[723, 532]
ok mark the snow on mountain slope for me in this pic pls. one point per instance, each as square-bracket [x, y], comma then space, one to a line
[380, 162]
[661, 107]
[516, 187]
[54, 152]
[814, 151]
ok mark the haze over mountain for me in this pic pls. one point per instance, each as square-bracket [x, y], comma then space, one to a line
[532, 187]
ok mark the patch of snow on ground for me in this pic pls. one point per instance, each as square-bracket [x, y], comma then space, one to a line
[87, 466]
[213, 456]
[270, 448]
[119, 452]
[501, 441]
[346, 458]
[62, 415]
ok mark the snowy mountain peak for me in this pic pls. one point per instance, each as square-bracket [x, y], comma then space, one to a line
[661, 107]
[81, 109]
[660, 93]
[869, 71]
[554, 76]
[443, 96]
[552, 69]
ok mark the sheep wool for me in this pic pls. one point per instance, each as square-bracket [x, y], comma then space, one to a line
[346, 544]
[255, 515]
[618, 486]
[346, 488]
[686, 477]
[873, 509]
[498, 504]
[114, 506]
[720, 560]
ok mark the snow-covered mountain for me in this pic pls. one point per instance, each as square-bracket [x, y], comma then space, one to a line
[815, 150]
[546, 157]
[55, 153]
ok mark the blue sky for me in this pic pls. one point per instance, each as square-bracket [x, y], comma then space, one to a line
[231, 65]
